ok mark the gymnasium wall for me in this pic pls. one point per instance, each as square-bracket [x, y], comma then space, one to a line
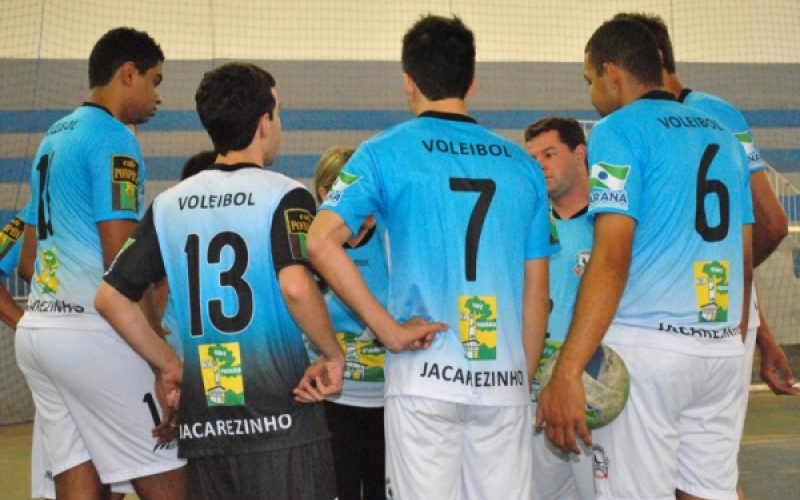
[339, 79]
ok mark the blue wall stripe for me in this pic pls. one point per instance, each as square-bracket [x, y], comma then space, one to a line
[16, 170]
[302, 166]
[35, 121]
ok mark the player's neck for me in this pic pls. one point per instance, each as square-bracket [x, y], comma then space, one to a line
[572, 202]
[673, 84]
[452, 105]
[241, 156]
[107, 98]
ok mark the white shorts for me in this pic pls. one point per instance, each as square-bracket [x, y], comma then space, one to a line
[42, 484]
[438, 450]
[678, 430]
[93, 397]
[558, 475]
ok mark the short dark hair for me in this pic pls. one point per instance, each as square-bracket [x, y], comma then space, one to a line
[569, 130]
[439, 55]
[629, 45]
[658, 28]
[197, 163]
[119, 46]
[230, 100]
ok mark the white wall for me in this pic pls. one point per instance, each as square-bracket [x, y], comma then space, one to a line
[507, 30]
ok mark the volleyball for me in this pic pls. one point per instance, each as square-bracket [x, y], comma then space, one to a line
[605, 383]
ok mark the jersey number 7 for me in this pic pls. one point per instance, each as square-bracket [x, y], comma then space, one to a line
[486, 188]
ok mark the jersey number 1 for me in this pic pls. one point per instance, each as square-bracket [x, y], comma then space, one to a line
[232, 277]
[486, 188]
[44, 225]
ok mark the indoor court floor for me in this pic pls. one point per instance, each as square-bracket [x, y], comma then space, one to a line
[769, 460]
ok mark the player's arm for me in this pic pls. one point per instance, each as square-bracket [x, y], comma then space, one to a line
[775, 369]
[123, 286]
[771, 225]
[302, 295]
[561, 404]
[535, 311]
[747, 252]
[326, 238]
[10, 312]
[27, 255]
[114, 234]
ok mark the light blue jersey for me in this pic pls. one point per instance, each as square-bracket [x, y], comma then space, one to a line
[218, 234]
[731, 118]
[88, 169]
[11, 241]
[684, 178]
[465, 209]
[566, 270]
[364, 355]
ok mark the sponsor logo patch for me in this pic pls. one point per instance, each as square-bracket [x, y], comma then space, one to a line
[298, 220]
[478, 326]
[10, 235]
[711, 286]
[221, 369]
[124, 183]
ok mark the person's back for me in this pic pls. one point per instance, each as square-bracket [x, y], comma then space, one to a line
[72, 194]
[684, 254]
[469, 234]
[463, 191]
[245, 356]
[231, 243]
[87, 190]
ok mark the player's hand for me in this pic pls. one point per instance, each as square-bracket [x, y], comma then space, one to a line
[321, 379]
[168, 392]
[417, 333]
[776, 371]
[561, 411]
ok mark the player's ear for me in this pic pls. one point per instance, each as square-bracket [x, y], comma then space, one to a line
[580, 153]
[126, 73]
[473, 86]
[409, 87]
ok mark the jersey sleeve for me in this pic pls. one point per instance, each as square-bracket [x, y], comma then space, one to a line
[614, 174]
[139, 263]
[734, 120]
[28, 213]
[290, 225]
[116, 170]
[355, 194]
[748, 216]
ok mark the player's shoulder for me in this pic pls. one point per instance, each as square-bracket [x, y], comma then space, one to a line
[716, 107]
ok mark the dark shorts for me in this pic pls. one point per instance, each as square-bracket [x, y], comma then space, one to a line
[359, 452]
[299, 473]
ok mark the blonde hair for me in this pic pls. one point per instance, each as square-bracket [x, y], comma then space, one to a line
[328, 167]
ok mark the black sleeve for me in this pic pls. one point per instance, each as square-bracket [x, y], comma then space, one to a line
[290, 225]
[139, 263]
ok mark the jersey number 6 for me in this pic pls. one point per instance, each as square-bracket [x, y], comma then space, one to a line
[706, 187]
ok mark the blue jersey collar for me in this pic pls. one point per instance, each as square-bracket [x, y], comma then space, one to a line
[661, 95]
[684, 94]
[94, 105]
[447, 116]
